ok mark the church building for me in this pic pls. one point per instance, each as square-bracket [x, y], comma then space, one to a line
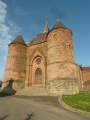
[47, 60]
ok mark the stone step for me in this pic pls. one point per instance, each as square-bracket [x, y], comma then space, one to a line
[32, 91]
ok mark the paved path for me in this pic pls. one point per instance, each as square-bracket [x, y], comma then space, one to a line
[35, 108]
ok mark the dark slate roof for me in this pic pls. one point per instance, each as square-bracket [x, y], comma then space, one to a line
[58, 24]
[86, 69]
[39, 39]
[19, 40]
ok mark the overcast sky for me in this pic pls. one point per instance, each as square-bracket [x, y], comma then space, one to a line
[29, 16]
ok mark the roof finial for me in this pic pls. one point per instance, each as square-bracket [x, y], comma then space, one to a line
[19, 33]
[46, 21]
[46, 29]
[58, 19]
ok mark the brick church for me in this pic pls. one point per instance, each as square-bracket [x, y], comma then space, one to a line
[48, 61]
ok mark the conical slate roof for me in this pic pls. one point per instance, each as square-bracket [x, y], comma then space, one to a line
[19, 40]
[46, 29]
[58, 24]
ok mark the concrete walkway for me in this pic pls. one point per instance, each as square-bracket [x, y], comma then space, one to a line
[35, 108]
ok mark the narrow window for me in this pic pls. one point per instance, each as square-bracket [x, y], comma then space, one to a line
[38, 76]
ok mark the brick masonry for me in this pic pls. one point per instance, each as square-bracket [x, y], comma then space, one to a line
[61, 70]
[86, 80]
[60, 46]
[61, 86]
[60, 74]
[34, 52]
[16, 66]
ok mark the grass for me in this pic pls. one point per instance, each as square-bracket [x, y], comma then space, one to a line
[80, 101]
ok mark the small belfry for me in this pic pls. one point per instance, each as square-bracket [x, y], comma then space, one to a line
[47, 61]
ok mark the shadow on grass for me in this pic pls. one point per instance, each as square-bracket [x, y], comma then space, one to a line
[8, 90]
[2, 118]
[30, 116]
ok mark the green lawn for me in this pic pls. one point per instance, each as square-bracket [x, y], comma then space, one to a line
[80, 101]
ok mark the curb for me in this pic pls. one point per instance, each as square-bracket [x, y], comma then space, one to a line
[73, 109]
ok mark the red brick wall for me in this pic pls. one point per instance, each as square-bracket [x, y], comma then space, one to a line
[16, 63]
[61, 68]
[61, 61]
[60, 46]
[32, 53]
[86, 80]
[42, 46]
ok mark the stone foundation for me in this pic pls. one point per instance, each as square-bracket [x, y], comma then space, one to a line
[11, 88]
[59, 87]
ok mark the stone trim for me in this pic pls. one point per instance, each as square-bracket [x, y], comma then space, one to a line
[33, 52]
[62, 78]
[86, 71]
[60, 62]
[16, 69]
[53, 46]
[58, 45]
[17, 56]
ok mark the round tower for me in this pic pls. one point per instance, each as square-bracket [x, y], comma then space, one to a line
[61, 68]
[16, 63]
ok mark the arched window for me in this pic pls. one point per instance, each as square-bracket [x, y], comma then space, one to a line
[38, 76]
[38, 60]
